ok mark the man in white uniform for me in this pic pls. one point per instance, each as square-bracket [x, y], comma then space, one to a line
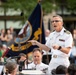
[37, 60]
[60, 43]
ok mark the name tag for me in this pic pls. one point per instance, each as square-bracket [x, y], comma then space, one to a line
[62, 40]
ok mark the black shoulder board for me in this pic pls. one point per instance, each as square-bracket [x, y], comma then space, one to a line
[53, 30]
[66, 31]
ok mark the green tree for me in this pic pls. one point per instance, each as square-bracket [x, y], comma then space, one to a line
[71, 4]
[27, 6]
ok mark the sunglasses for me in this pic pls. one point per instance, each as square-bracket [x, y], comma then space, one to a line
[55, 21]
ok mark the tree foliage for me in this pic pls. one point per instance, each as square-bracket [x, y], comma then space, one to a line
[71, 4]
[27, 6]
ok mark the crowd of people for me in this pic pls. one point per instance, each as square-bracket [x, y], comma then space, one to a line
[13, 67]
[61, 43]
[7, 37]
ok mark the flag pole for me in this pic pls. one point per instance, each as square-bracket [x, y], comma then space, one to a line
[39, 1]
[27, 56]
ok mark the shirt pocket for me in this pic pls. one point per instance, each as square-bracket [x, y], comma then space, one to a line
[61, 42]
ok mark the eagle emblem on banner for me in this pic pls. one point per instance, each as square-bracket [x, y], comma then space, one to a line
[25, 33]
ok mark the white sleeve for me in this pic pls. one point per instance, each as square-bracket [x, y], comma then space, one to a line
[69, 41]
[48, 42]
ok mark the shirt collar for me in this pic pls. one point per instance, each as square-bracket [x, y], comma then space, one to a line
[37, 64]
[61, 32]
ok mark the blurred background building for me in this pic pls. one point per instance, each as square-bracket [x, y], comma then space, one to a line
[62, 7]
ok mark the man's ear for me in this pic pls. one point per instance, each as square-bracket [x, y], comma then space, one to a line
[62, 23]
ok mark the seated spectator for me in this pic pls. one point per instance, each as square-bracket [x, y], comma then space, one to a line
[61, 70]
[73, 54]
[47, 32]
[11, 68]
[74, 34]
[72, 69]
[9, 38]
[13, 33]
[2, 37]
[37, 61]
[23, 61]
[1, 52]
[22, 57]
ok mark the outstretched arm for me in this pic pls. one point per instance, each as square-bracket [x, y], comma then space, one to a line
[42, 46]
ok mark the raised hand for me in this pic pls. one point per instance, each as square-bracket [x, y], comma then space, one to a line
[33, 42]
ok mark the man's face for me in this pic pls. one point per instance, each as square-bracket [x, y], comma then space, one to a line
[74, 31]
[57, 23]
[74, 34]
[37, 57]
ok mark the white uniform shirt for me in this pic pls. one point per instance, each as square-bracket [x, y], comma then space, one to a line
[63, 39]
[40, 66]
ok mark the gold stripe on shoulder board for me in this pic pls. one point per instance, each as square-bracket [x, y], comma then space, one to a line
[66, 31]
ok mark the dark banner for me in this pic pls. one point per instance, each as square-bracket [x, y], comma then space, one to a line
[33, 29]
